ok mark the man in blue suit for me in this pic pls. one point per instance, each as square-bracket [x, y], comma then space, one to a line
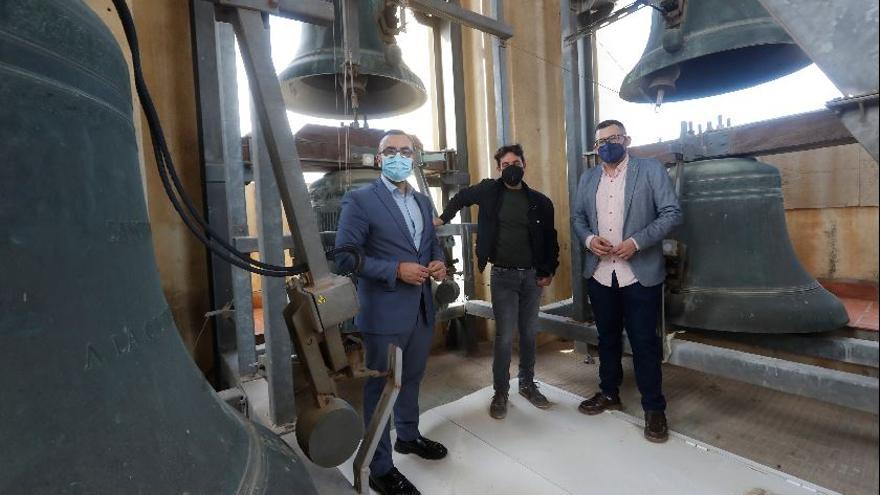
[623, 211]
[393, 226]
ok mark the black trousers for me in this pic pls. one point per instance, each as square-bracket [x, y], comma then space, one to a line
[636, 308]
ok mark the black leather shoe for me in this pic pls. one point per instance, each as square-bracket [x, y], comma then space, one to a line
[422, 447]
[532, 394]
[498, 406]
[599, 403]
[656, 429]
[393, 483]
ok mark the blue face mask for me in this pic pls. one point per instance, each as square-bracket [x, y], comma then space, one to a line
[396, 168]
[612, 153]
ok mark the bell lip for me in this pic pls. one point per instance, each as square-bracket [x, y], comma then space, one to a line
[828, 312]
[315, 65]
[634, 86]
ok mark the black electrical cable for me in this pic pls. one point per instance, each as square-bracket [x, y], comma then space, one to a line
[213, 241]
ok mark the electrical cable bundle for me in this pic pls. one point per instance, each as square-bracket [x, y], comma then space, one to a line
[215, 243]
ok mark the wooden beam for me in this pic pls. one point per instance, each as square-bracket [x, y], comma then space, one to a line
[819, 129]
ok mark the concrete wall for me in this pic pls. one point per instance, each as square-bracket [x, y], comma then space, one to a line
[831, 203]
[164, 36]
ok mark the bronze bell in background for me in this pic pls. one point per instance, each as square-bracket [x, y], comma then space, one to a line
[700, 48]
[739, 271]
[317, 82]
[99, 393]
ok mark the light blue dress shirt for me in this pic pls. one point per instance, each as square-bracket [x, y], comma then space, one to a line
[409, 208]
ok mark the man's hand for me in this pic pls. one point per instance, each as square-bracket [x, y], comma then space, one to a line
[437, 270]
[544, 281]
[600, 246]
[625, 250]
[412, 273]
[438, 222]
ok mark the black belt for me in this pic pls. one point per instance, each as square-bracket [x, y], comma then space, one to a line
[518, 268]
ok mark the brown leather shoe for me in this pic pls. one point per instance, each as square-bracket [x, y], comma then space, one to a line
[599, 403]
[498, 407]
[656, 429]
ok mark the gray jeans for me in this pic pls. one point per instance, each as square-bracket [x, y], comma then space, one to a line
[516, 298]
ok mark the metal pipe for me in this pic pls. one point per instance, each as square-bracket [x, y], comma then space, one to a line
[381, 414]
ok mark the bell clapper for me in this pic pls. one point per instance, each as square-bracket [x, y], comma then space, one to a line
[660, 93]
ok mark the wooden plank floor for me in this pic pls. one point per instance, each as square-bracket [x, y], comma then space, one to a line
[825, 444]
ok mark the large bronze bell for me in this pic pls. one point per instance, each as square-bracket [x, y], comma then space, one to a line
[739, 272]
[700, 48]
[99, 394]
[316, 83]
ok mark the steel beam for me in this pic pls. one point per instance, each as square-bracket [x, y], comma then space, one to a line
[311, 11]
[439, 83]
[220, 140]
[279, 348]
[499, 73]
[579, 119]
[842, 39]
[834, 348]
[253, 38]
[459, 97]
[211, 110]
[454, 13]
[837, 387]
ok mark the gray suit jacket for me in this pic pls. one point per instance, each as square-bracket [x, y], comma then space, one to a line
[651, 212]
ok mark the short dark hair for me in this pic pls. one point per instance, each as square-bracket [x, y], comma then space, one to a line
[516, 149]
[395, 132]
[609, 123]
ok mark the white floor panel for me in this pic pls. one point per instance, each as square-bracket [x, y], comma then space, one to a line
[561, 451]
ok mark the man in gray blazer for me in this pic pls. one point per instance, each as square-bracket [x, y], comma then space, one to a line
[623, 211]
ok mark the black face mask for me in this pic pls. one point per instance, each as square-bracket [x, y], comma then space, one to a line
[512, 175]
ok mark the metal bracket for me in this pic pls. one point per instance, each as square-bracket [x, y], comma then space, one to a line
[380, 419]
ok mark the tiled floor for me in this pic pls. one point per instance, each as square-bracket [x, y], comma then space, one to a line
[862, 314]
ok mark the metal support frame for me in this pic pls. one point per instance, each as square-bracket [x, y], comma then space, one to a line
[452, 32]
[274, 146]
[311, 11]
[842, 39]
[452, 12]
[580, 121]
[224, 192]
[253, 39]
[380, 418]
[835, 348]
[279, 347]
[499, 72]
[837, 387]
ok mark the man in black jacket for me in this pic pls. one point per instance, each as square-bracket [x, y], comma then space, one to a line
[515, 232]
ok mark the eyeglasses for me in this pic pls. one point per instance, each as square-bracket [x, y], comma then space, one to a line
[391, 151]
[617, 138]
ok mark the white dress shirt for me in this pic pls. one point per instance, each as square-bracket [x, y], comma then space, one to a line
[610, 207]
[409, 208]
